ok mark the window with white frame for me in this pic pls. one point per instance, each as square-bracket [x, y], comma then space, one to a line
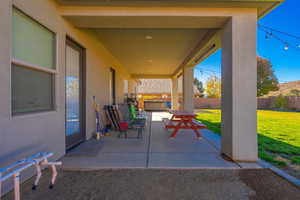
[33, 65]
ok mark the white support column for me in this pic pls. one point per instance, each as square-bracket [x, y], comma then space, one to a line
[239, 137]
[188, 89]
[174, 94]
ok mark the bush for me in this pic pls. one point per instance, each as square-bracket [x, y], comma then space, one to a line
[280, 102]
[295, 159]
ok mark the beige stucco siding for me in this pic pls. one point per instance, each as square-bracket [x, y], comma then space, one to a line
[27, 134]
[24, 135]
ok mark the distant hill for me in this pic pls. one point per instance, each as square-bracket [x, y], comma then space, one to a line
[285, 88]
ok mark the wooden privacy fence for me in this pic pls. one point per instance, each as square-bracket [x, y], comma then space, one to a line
[204, 103]
[293, 102]
[213, 103]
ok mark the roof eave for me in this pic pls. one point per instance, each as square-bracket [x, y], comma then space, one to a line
[272, 7]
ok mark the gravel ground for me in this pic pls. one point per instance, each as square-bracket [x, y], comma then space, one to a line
[173, 184]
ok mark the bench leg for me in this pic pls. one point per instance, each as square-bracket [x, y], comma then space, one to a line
[54, 175]
[17, 186]
[38, 176]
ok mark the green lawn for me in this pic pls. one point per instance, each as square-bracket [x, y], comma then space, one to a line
[278, 134]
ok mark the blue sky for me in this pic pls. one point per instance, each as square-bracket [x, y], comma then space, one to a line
[286, 64]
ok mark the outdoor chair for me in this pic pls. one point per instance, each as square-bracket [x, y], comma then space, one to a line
[138, 122]
[119, 117]
[136, 115]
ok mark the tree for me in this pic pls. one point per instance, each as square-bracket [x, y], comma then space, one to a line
[280, 102]
[213, 87]
[295, 92]
[266, 79]
[199, 86]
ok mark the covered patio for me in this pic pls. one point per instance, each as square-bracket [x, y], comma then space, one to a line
[154, 150]
[57, 55]
[167, 42]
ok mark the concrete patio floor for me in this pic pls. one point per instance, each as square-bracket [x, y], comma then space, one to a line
[155, 150]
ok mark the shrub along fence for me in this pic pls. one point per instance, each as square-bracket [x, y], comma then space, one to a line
[280, 102]
[205, 103]
[276, 102]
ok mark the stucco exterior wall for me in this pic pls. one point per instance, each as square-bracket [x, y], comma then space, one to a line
[24, 135]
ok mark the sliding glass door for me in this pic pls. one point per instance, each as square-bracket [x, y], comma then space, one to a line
[74, 85]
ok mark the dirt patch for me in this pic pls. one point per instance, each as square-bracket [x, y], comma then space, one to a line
[150, 184]
[268, 185]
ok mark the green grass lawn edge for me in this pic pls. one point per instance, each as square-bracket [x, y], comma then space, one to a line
[278, 134]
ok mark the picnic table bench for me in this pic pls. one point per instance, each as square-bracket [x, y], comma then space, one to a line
[183, 120]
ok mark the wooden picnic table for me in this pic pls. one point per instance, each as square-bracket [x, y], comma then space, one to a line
[183, 120]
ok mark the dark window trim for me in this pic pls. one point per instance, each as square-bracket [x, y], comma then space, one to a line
[71, 42]
[113, 71]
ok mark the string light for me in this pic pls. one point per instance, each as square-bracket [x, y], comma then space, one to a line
[206, 73]
[278, 31]
[274, 34]
[268, 35]
[203, 70]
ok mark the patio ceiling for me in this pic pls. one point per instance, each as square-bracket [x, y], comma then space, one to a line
[150, 51]
[154, 41]
[150, 46]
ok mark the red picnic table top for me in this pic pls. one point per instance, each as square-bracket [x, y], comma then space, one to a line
[182, 113]
[183, 120]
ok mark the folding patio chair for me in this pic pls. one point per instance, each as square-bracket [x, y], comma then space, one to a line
[138, 122]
